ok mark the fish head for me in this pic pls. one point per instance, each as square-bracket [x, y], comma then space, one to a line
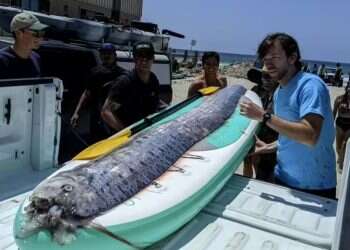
[60, 204]
[52, 206]
[58, 196]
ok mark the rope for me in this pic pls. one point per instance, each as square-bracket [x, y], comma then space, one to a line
[105, 231]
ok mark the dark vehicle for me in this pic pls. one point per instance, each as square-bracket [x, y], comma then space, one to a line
[329, 75]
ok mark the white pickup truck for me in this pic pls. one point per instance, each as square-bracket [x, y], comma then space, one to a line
[247, 214]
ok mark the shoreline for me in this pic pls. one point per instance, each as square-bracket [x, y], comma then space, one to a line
[236, 58]
[235, 74]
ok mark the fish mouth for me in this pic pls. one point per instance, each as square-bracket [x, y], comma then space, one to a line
[40, 215]
[42, 204]
[39, 205]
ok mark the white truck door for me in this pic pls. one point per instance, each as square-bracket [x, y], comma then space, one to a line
[341, 240]
[29, 132]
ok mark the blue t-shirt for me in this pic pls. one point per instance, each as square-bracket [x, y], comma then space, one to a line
[13, 66]
[299, 165]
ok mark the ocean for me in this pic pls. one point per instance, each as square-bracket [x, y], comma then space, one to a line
[230, 58]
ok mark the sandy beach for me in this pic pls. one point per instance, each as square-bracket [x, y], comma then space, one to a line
[180, 88]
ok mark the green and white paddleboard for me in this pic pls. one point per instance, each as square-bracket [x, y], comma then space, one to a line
[175, 198]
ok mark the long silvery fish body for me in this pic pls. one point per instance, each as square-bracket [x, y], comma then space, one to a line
[70, 199]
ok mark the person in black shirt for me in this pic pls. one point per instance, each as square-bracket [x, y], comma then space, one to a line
[263, 164]
[338, 80]
[96, 92]
[19, 60]
[135, 95]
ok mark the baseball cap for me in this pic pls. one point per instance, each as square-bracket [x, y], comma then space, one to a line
[107, 47]
[143, 49]
[26, 20]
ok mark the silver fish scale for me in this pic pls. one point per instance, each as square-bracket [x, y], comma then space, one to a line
[126, 171]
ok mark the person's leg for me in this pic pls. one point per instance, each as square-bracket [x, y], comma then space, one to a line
[265, 167]
[341, 156]
[255, 162]
[340, 136]
[248, 167]
[343, 148]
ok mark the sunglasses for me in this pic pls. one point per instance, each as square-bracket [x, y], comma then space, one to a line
[36, 33]
[144, 57]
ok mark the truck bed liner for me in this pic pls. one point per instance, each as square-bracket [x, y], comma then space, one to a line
[246, 214]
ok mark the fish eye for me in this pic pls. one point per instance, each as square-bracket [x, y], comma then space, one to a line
[67, 188]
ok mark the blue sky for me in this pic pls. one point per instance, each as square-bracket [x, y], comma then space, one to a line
[322, 27]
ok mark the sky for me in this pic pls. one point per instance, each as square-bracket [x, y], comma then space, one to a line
[321, 27]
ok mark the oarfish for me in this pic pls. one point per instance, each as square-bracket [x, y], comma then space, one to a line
[70, 199]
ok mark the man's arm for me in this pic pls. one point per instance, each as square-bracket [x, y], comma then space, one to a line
[162, 105]
[306, 131]
[83, 99]
[192, 90]
[196, 85]
[116, 98]
[223, 81]
[108, 114]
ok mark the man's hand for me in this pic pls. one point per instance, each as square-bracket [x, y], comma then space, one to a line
[251, 110]
[74, 120]
[108, 114]
[262, 147]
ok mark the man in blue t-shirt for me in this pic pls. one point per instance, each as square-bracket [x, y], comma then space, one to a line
[19, 60]
[302, 117]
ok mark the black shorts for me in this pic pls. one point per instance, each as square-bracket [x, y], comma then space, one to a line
[266, 166]
[343, 123]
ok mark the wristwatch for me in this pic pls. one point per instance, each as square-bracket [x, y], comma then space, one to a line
[266, 117]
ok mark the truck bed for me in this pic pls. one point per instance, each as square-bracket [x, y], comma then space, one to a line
[249, 214]
[246, 214]
[8, 209]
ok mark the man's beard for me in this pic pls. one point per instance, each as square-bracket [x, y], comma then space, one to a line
[281, 74]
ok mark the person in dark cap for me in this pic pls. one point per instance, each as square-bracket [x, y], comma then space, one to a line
[97, 88]
[19, 60]
[263, 164]
[135, 95]
[264, 87]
